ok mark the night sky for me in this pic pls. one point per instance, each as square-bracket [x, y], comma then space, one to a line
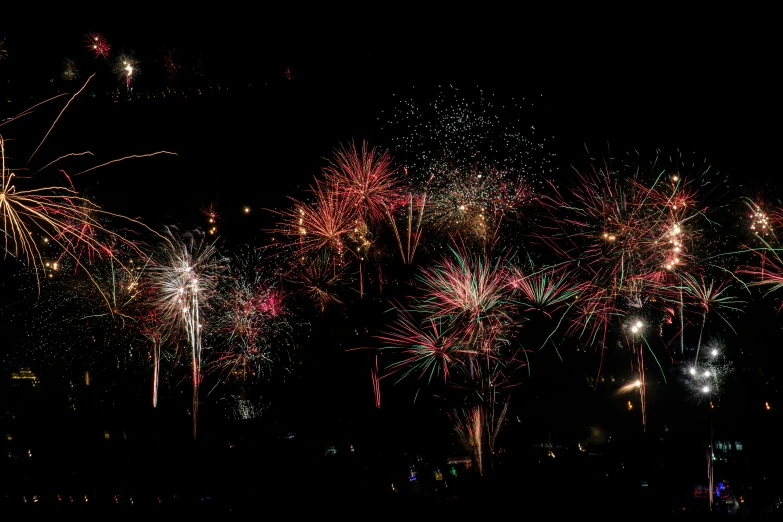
[279, 96]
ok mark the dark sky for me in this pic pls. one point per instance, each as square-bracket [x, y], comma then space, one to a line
[640, 83]
[633, 82]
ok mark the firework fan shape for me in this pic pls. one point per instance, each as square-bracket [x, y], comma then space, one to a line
[547, 289]
[477, 428]
[325, 224]
[59, 216]
[431, 349]
[184, 275]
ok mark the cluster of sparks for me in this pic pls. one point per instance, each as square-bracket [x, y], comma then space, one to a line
[132, 301]
[628, 256]
[96, 43]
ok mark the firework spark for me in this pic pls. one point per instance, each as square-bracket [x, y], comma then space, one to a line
[96, 43]
[185, 273]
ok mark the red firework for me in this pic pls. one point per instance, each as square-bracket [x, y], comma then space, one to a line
[322, 225]
[366, 179]
[96, 43]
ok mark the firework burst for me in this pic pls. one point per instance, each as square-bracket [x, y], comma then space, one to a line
[317, 279]
[251, 320]
[185, 273]
[96, 43]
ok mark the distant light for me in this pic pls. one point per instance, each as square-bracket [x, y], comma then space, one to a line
[706, 389]
[246, 210]
[638, 383]
[692, 371]
[714, 353]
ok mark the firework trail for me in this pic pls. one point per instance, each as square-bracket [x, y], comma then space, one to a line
[376, 383]
[185, 273]
[412, 210]
[475, 428]
[59, 216]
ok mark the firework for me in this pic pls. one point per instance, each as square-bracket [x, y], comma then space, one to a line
[251, 324]
[432, 349]
[709, 296]
[317, 279]
[471, 160]
[467, 128]
[56, 214]
[705, 377]
[184, 274]
[547, 289]
[324, 225]
[172, 66]
[70, 71]
[476, 428]
[366, 180]
[473, 203]
[126, 66]
[469, 290]
[458, 329]
[96, 43]
[89, 318]
[241, 408]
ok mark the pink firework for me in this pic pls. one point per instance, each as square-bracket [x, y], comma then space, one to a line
[251, 326]
[366, 179]
[431, 349]
[323, 225]
[96, 43]
[469, 289]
